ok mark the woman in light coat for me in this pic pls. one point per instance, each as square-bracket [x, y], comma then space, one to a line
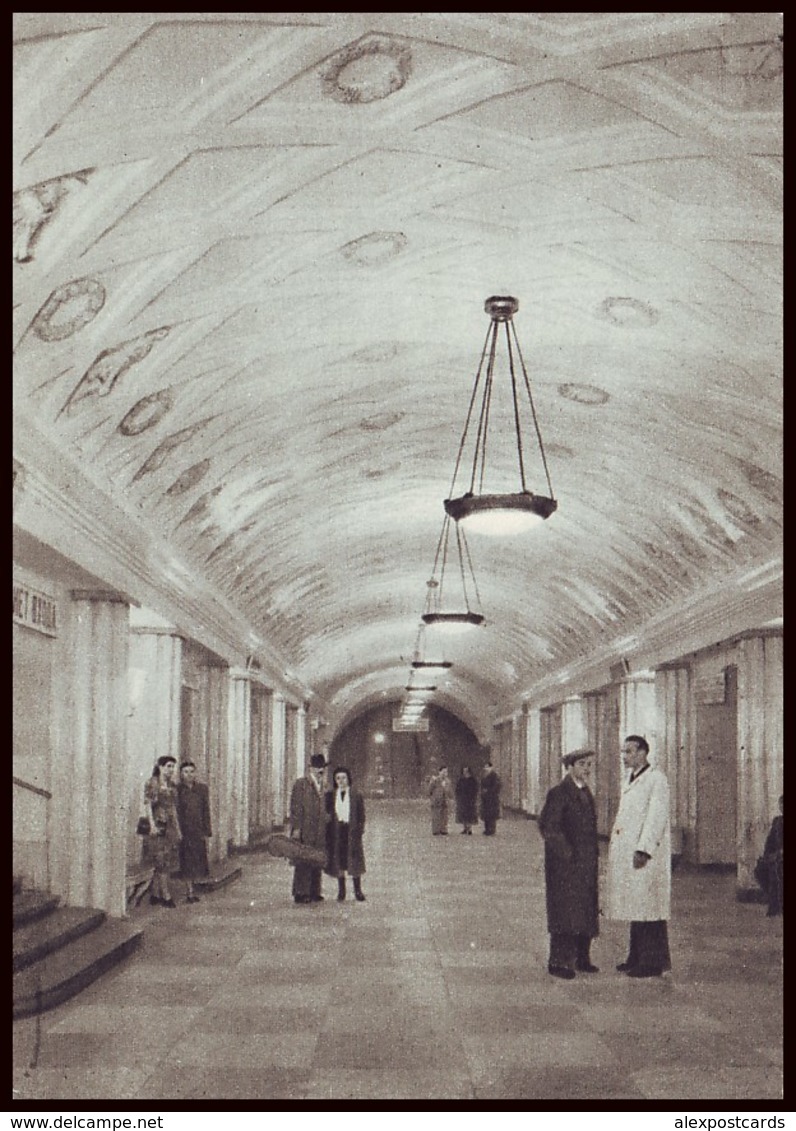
[638, 881]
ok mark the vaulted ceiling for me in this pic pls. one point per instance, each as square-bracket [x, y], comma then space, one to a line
[251, 253]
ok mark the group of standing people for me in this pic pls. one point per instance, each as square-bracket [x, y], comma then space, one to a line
[178, 829]
[470, 795]
[638, 882]
[331, 821]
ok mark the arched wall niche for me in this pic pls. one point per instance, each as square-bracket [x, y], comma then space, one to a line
[396, 765]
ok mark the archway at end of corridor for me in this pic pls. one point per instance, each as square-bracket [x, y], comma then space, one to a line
[396, 764]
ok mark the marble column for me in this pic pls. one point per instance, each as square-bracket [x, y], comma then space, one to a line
[533, 754]
[91, 803]
[279, 788]
[674, 752]
[760, 746]
[219, 775]
[302, 750]
[239, 745]
[573, 723]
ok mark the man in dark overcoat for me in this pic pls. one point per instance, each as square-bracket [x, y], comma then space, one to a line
[308, 825]
[568, 823]
[490, 798]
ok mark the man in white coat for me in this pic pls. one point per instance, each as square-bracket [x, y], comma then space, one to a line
[640, 863]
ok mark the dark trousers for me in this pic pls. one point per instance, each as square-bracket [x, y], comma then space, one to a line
[569, 950]
[307, 881]
[489, 826]
[649, 945]
[775, 887]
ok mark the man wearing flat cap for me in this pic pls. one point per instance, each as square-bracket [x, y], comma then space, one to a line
[308, 825]
[568, 823]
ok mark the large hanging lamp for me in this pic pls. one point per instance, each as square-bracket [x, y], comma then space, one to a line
[449, 609]
[477, 508]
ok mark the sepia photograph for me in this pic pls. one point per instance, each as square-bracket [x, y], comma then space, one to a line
[397, 560]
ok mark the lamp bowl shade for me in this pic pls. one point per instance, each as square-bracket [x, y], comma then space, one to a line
[500, 514]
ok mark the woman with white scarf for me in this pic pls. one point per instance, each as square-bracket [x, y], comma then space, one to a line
[345, 808]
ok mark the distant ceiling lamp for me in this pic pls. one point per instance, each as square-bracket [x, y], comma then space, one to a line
[513, 511]
[443, 611]
[427, 663]
[421, 687]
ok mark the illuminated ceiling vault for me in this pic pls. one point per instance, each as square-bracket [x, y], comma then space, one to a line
[251, 253]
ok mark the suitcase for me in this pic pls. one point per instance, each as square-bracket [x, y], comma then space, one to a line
[278, 844]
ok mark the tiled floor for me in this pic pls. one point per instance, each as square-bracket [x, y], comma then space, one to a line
[436, 987]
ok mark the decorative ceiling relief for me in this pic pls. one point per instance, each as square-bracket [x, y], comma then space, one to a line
[739, 511]
[367, 71]
[146, 413]
[583, 394]
[200, 507]
[69, 309]
[169, 445]
[375, 248]
[766, 484]
[106, 369]
[34, 207]
[189, 478]
[629, 312]
[381, 421]
[380, 351]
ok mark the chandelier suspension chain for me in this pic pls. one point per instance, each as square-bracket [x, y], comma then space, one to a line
[516, 408]
[463, 539]
[483, 420]
[469, 412]
[533, 411]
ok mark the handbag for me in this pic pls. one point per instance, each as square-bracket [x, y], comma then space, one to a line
[144, 827]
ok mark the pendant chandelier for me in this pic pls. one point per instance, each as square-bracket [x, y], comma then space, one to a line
[448, 608]
[512, 511]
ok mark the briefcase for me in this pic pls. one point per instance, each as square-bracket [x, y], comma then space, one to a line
[294, 851]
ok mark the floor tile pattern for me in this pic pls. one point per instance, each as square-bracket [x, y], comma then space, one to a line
[435, 988]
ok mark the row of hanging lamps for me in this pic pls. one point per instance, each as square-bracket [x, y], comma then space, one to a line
[478, 508]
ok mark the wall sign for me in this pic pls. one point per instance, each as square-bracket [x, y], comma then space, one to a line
[34, 609]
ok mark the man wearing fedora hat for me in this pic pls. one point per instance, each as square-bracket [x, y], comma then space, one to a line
[568, 823]
[308, 825]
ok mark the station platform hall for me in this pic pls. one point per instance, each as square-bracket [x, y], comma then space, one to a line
[435, 988]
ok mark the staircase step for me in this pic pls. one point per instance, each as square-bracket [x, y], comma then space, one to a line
[41, 937]
[69, 970]
[32, 905]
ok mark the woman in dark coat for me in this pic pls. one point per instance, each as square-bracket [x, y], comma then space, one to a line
[568, 823]
[193, 810]
[467, 800]
[345, 808]
[160, 847]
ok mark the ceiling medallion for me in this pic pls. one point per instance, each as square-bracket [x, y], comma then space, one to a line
[69, 309]
[627, 312]
[368, 70]
[375, 248]
[583, 394]
[146, 413]
[189, 478]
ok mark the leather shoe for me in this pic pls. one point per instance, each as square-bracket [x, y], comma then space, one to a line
[645, 972]
[624, 968]
[168, 903]
[561, 972]
[359, 896]
[587, 968]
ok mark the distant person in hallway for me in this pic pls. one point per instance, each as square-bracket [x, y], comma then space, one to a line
[640, 863]
[160, 847]
[308, 826]
[772, 865]
[490, 799]
[441, 794]
[467, 800]
[193, 811]
[345, 810]
[568, 823]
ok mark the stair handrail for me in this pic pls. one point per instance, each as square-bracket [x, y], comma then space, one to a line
[33, 788]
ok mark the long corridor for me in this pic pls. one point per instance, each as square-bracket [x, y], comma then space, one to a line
[435, 988]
